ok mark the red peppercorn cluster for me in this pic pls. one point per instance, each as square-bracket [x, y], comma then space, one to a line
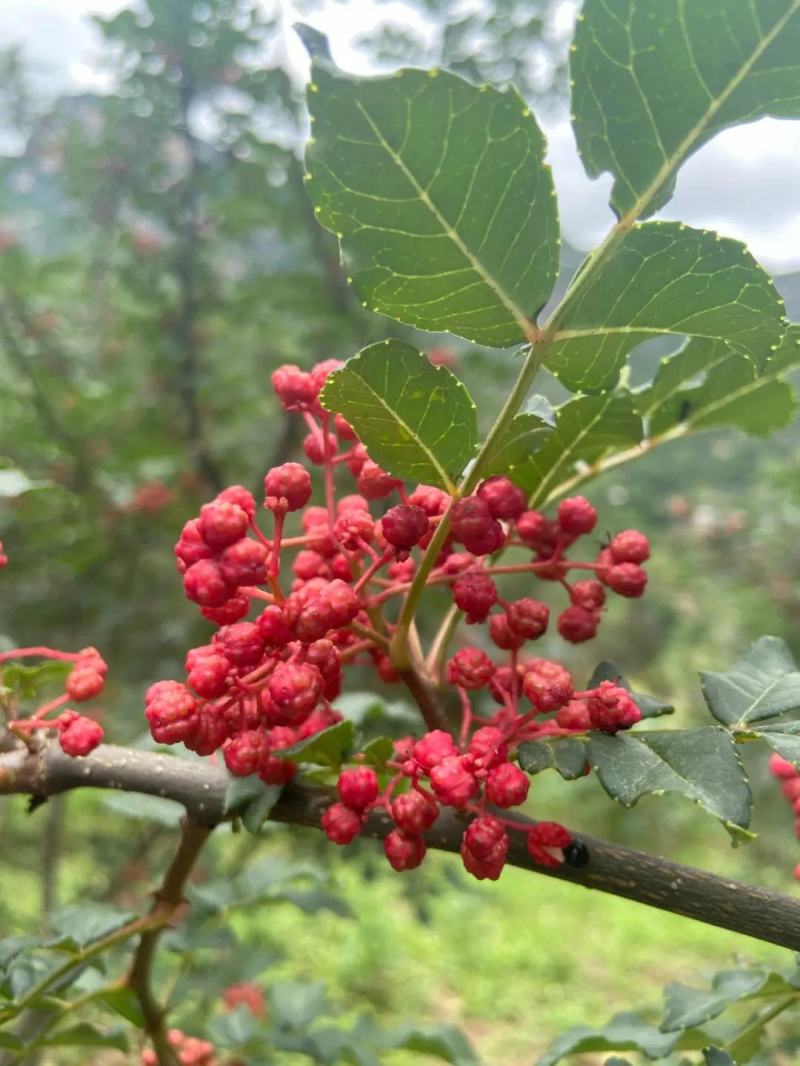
[294, 607]
[189, 1051]
[245, 994]
[3, 557]
[789, 778]
[77, 734]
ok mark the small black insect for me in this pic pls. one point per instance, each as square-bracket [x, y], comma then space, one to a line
[576, 854]
[684, 410]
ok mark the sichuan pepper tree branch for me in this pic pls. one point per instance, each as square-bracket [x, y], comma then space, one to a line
[201, 788]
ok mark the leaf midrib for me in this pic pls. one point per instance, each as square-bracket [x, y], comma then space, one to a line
[529, 329]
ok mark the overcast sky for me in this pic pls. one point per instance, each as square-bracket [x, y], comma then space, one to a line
[745, 183]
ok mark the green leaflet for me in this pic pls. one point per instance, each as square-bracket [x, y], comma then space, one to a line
[586, 427]
[415, 419]
[666, 278]
[653, 80]
[764, 684]
[730, 391]
[440, 196]
[524, 436]
[701, 764]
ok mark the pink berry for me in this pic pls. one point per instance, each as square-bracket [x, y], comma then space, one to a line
[84, 683]
[414, 813]
[433, 748]
[475, 593]
[507, 785]
[287, 487]
[577, 625]
[209, 676]
[243, 753]
[538, 532]
[191, 546]
[528, 618]
[781, 767]
[341, 824]
[575, 715]
[576, 516]
[629, 546]
[470, 518]
[231, 611]
[296, 688]
[358, 788]
[222, 523]
[243, 563]
[431, 500]
[470, 668]
[374, 483]
[488, 542]
[611, 708]
[242, 497]
[546, 684]
[483, 834]
[546, 841]
[203, 582]
[504, 499]
[588, 594]
[626, 579]
[171, 711]
[274, 627]
[501, 633]
[453, 782]
[404, 525]
[487, 748]
[404, 852]
[243, 643]
[81, 736]
[294, 388]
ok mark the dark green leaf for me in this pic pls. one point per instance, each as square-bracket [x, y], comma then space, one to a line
[686, 1007]
[653, 80]
[650, 706]
[764, 684]
[233, 1029]
[327, 748]
[564, 754]
[86, 922]
[706, 385]
[378, 752]
[440, 196]
[258, 811]
[784, 737]
[26, 682]
[625, 1032]
[715, 1056]
[313, 900]
[85, 1035]
[525, 435]
[687, 282]
[122, 1001]
[415, 419]
[443, 1041]
[585, 427]
[296, 1004]
[8, 1040]
[701, 764]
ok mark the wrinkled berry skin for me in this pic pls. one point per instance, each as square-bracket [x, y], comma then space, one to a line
[80, 737]
[341, 824]
[358, 788]
[404, 852]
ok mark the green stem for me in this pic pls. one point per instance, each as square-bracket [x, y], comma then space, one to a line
[743, 1037]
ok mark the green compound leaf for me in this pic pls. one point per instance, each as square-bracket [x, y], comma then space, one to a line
[701, 764]
[653, 80]
[624, 1032]
[685, 1006]
[440, 196]
[565, 754]
[666, 279]
[327, 748]
[586, 427]
[784, 738]
[415, 419]
[526, 434]
[764, 684]
[706, 385]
